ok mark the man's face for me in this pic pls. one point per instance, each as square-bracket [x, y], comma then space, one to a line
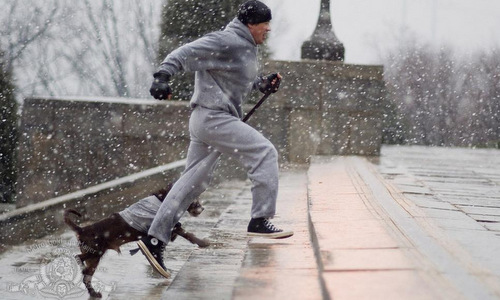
[259, 31]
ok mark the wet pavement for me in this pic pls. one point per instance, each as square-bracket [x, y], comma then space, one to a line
[453, 195]
[33, 270]
[415, 223]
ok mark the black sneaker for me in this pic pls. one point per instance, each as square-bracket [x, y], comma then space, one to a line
[261, 227]
[153, 249]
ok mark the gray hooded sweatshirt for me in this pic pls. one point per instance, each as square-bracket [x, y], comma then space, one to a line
[226, 68]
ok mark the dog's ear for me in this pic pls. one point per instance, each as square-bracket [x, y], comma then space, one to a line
[162, 193]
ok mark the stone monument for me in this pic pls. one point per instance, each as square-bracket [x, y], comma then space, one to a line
[323, 44]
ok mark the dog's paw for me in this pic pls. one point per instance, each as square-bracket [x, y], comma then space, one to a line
[195, 209]
[94, 294]
[79, 260]
[204, 243]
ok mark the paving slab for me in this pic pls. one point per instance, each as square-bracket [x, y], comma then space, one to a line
[401, 284]
[464, 182]
[283, 268]
[362, 255]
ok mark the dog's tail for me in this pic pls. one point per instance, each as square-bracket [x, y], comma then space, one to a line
[70, 222]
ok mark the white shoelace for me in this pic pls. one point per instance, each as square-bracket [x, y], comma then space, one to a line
[270, 226]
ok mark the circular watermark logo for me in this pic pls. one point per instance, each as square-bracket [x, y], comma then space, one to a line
[60, 278]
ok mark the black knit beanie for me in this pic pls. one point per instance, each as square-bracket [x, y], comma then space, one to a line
[254, 12]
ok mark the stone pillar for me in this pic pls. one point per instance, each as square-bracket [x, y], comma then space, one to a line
[325, 108]
[71, 144]
[323, 44]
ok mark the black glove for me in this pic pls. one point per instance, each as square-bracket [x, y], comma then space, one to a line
[269, 83]
[160, 89]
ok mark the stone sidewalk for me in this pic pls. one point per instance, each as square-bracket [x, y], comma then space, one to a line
[364, 230]
[362, 253]
[415, 223]
[453, 195]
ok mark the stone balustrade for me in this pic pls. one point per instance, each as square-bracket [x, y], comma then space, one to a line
[68, 144]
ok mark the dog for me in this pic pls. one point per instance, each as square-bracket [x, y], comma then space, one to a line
[112, 232]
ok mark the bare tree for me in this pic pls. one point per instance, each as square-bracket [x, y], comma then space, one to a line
[482, 99]
[90, 47]
[23, 23]
[444, 99]
[114, 48]
[24, 26]
[8, 134]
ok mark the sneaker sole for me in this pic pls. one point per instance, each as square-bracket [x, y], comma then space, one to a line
[152, 261]
[277, 235]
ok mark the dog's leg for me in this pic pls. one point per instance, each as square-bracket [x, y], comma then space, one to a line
[195, 208]
[80, 260]
[82, 257]
[88, 272]
[178, 230]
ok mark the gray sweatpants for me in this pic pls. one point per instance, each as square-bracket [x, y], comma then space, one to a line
[140, 215]
[213, 132]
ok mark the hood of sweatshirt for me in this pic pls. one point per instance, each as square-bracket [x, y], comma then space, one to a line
[240, 29]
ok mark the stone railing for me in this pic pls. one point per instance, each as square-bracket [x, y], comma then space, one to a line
[95, 202]
[70, 144]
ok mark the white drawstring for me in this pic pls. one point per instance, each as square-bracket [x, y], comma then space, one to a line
[270, 226]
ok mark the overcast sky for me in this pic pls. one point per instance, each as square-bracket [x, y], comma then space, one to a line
[367, 27]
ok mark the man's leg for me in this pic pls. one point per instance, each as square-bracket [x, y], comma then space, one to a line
[230, 136]
[194, 180]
